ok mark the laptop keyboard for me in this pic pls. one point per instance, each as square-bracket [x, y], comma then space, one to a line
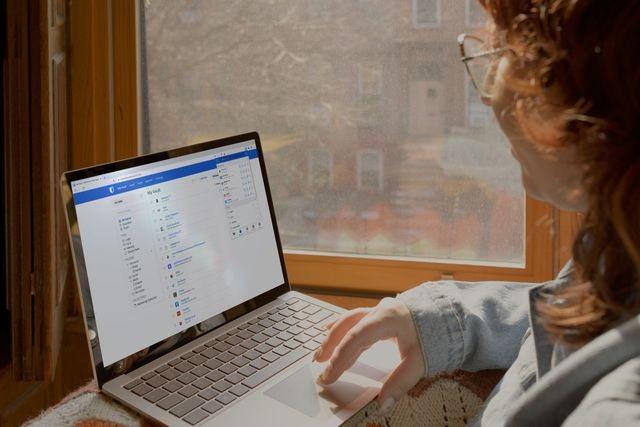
[200, 382]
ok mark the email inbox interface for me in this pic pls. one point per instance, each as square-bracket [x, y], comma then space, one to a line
[171, 244]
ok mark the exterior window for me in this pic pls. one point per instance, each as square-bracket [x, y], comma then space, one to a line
[476, 15]
[369, 79]
[372, 146]
[320, 168]
[426, 13]
[370, 170]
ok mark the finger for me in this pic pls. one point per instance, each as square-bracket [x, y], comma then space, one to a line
[359, 339]
[400, 381]
[338, 331]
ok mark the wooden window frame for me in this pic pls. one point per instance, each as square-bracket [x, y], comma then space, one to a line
[546, 229]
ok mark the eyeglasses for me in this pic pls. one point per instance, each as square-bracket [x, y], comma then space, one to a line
[480, 62]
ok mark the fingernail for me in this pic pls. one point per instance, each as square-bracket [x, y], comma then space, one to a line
[386, 405]
[321, 378]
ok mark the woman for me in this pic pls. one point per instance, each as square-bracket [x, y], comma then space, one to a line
[564, 85]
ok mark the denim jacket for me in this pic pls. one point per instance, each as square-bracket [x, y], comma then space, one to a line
[494, 325]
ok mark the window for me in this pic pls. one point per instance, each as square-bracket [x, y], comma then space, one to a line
[476, 15]
[426, 13]
[320, 168]
[436, 190]
[370, 170]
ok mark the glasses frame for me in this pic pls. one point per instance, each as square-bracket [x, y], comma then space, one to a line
[466, 59]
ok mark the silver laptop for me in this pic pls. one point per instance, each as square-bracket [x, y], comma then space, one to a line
[189, 315]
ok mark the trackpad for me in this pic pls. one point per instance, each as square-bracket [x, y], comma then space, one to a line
[353, 390]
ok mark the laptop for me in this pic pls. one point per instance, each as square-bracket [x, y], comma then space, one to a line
[189, 315]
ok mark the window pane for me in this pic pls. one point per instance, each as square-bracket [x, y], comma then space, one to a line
[376, 143]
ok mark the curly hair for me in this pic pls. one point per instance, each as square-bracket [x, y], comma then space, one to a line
[579, 83]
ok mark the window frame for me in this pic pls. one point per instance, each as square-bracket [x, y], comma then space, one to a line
[332, 272]
[419, 25]
[311, 164]
[380, 171]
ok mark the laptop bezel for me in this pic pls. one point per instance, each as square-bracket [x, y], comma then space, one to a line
[102, 373]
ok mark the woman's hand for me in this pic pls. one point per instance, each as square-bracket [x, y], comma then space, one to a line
[359, 329]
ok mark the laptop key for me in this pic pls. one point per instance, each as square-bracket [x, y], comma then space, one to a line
[276, 317]
[240, 361]
[221, 346]
[213, 364]
[225, 357]
[311, 345]
[271, 332]
[312, 332]
[273, 342]
[187, 406]
[303, 338]
[292, 344]
[245, 335]
[187, 378]
[272, 369]
[175, 362]
[251, 354]
[185, 366]
[212, 407]
[286, 312]
[311, 309]
[260, 337]
[247, 370]
[298, 306]
[253, 321]
[133, 384]
[162, 368]
[215, 376]
[266, 323]
[285, 336]
[201, 383]
[157, 381]
[141, 390]
[226, 398]
[239, 390]
[211, 343]
[248, 344]
[270, 357]
[156, 395]
[237, 350]
[290, 321]
[234, 378]
[281, 351]
[196, 416]
[187, 355]
[197, 359]
[305, 324]
[228, 368]
[273, 310]
[319, 316]
[148, 375]
[208, 393]
[170, 374]
[200, 371]
[200, 349]
[263, 315]
[295, 330]
[233, 340]
[263, 348]
[292, 301]
[258, 364]
[172, 386]
[222, 385]
[210, 353]
[301, 315]
[281, 326]
[170, 401]
[188, 391]
[256, 328]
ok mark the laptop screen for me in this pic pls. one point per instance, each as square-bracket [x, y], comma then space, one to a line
[170, 244]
